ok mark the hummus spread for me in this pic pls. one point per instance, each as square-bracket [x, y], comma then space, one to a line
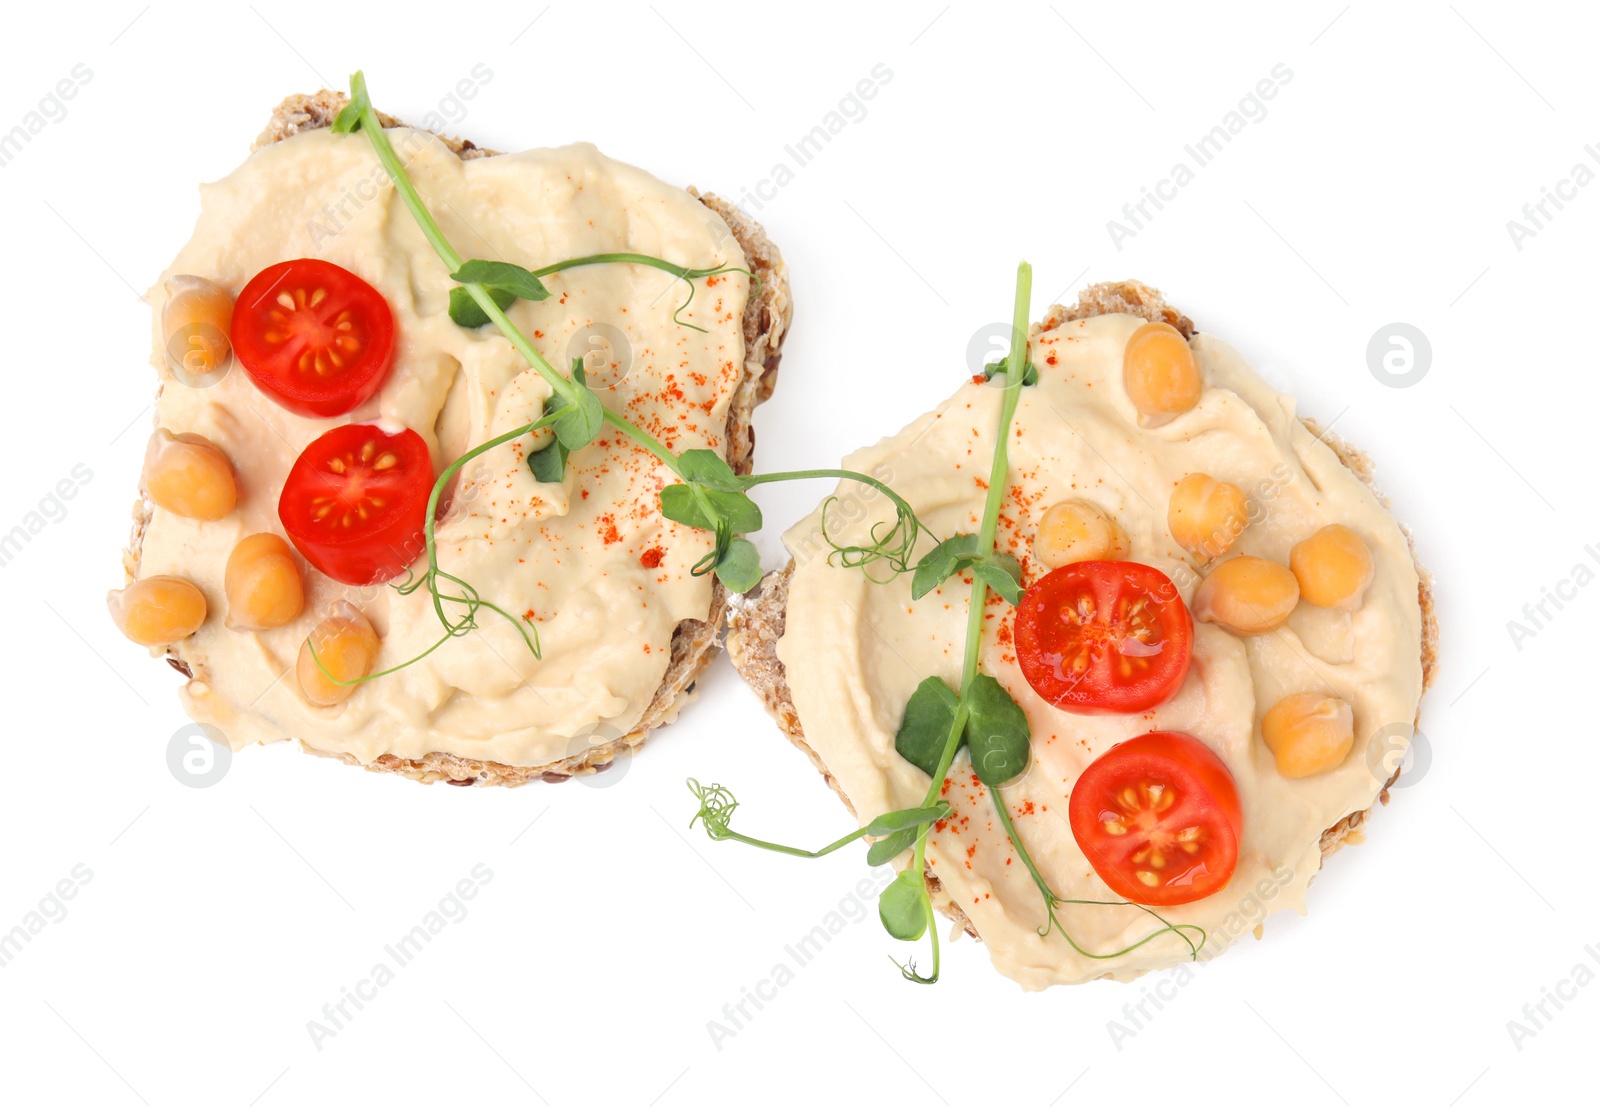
[589, 560]
[854, 650]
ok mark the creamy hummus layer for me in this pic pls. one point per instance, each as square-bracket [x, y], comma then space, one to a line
[590, 560]
[854, 650]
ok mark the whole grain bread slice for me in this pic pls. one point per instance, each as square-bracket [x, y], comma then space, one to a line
[757, 621]
[766, 321]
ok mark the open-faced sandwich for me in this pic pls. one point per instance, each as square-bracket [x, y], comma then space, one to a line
[1123, 669]
[418, 405]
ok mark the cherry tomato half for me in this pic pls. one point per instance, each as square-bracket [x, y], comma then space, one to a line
[1158, 818]
[1104, 637]
[314, 338]
[355, 502]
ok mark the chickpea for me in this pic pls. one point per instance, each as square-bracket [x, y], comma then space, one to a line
[1160, 373]
[347, 646]
[1077, 530]
[188, 475]
[263, 583]
[1206, 516]
[157, 610]
[1334, 567]
[1308, 733]
[195, 321]
[1246, 595]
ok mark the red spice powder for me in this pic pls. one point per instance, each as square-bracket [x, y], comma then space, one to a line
[651, 558]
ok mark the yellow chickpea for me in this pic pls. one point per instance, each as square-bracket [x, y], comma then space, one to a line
[1076, 530]
[188, 475]
[1334, 567]
[1246, 595]
[195, 322]
[347, 646]
[158, 610]
[1160, 373]
[1308, 733]
[263, 583]
[1206, 516]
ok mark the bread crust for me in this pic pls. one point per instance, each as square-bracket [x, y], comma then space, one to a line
[766, 321]
[757, 622]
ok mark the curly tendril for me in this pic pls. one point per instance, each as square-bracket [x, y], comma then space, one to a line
[1052, 902]
[716, 808]
[892, 543]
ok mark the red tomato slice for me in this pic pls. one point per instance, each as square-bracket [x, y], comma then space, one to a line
[355, 502]
[313, 337]
[1104, 637]
[1158, 818]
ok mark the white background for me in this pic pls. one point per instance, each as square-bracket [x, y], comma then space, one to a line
[1377, 189]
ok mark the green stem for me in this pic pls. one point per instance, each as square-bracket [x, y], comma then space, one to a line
[975, 610]
[952, 743]
[685, 273]
[1051, 901]
[795, 851]
[655, 447]
[998, 470]
[439, 485]
[372, 128]
[840, 473]
[312, 645]
[927, 912]
[634, 257]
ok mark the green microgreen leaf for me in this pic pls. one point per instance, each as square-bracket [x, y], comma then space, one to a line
[349, 118]
[997, 731]
[907, 819]
[508, 277]
[503, 282]
[580, 421]
[703, 508]
[956, 554]
[705, 467]
[549, 464]
[739, 567]
[925, 725]
[738, 509]
[465, 310]
[1003, 574]
[900, 906]
[942, 561]
[1030, 373]
[890, 847]
[678, 505]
